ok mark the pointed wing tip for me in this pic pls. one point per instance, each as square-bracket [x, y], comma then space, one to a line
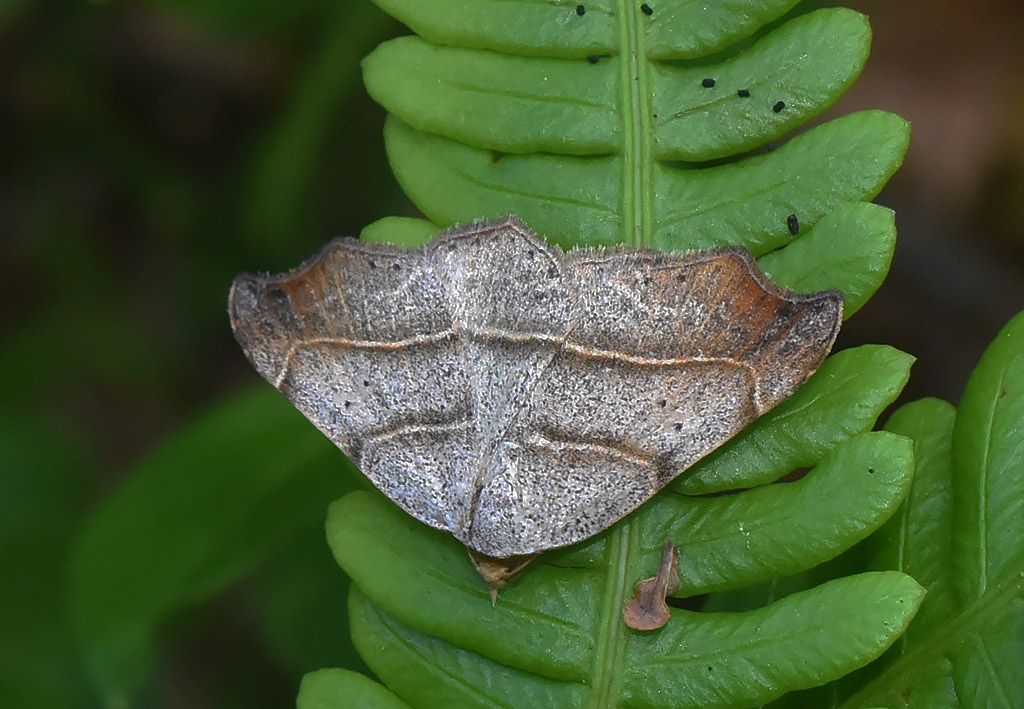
[243, 297]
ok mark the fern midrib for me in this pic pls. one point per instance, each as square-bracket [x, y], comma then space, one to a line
[637, 222]
[609, 650]
[634, 84]
[984, 471]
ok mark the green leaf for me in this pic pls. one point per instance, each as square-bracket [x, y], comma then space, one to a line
[594, 125]
[343, 689]
[402, 231]
[844, 397]
[734, 541]
[555, 29]
[498, 101]
[746, 202]
[916, 540]
[958, 532]
[849, 249]
[575, 200]
[918, 537]
[212, 502]
[450, 646]
[767, 647]
[583, 150]
[988, 455]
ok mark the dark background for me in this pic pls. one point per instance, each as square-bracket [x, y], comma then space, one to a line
[151, 150]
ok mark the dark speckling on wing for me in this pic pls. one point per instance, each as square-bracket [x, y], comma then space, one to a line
[518, 396]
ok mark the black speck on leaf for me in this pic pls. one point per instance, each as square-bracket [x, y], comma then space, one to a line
[593, 59]
[743, 93]
[646, 9]
[794, 224]
[580, 10]
[779, 105]
[707, 83]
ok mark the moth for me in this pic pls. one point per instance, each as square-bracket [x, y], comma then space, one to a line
[522, 397]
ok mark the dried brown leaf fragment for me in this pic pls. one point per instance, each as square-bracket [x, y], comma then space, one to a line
[647, 609]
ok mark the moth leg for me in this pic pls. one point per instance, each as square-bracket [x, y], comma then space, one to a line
[497, 572]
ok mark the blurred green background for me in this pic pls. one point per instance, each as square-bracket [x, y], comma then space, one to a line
[152, 150]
